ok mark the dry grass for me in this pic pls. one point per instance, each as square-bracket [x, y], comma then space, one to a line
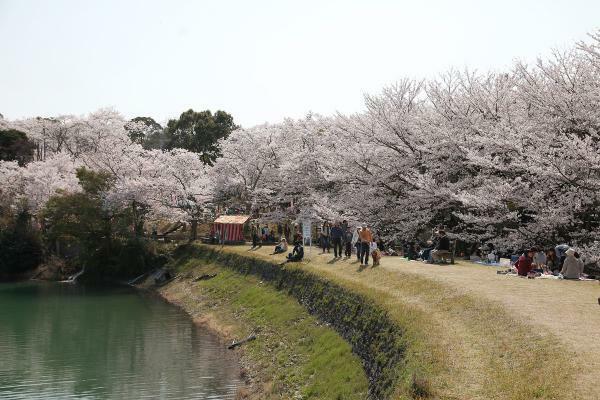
[473, 334]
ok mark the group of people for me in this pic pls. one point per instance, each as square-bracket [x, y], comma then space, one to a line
[344, 239]
[266, 234]
[562, 260]
[261, 234]
[436, 249]
[334, 236]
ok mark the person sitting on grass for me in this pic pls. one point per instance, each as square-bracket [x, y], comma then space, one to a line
[281, 247]
[425, 253]
[410, 251]
[573, 266]
[524, 264]
[552, 262]
[539, 259]
[297, 254]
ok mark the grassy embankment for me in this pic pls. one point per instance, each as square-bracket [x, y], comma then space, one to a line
[457, 345]
[294, 356]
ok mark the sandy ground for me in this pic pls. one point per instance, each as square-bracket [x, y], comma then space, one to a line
[568, 310]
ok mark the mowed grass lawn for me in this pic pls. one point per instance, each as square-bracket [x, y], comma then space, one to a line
[473, 334]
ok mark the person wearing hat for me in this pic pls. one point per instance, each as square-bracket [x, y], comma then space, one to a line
[572, 267]
[524, 264]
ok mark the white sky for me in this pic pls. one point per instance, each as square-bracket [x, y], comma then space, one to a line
[259, 60]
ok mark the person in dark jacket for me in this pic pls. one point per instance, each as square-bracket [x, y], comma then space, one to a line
[255, 237]
[552, 262]
[297, 253]
[344, 226]
[524, 264]
[337, 234]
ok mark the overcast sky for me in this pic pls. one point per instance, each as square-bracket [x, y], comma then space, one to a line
[259, 60]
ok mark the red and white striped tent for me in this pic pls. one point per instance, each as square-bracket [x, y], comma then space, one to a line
[230, 228]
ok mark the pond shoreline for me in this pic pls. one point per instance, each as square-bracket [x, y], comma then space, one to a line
[72, 340]
[296, 353]
[358, 321]
[206, 321]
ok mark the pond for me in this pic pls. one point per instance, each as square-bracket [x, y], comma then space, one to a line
[69, 341]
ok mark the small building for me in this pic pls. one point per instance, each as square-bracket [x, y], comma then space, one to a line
[229, 228]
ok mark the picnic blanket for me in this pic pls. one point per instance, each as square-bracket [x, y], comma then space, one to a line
[489, 264]
[545, 276]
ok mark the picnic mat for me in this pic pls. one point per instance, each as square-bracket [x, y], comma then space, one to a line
[544, 276]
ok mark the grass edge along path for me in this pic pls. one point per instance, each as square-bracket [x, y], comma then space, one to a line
[294, 356]
[458, 346]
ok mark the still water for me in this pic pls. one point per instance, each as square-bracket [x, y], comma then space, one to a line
[66, 341]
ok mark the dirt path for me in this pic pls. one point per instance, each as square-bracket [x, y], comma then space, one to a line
[566, 312]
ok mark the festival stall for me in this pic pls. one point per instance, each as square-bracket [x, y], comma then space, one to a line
[229, 228]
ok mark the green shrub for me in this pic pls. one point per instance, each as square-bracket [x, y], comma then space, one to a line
[20, 248]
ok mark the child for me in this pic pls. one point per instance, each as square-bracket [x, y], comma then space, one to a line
[376, 254]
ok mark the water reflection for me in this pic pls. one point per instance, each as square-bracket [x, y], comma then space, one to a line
[63, 341]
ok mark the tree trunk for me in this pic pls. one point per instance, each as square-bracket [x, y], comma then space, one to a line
[194, 230]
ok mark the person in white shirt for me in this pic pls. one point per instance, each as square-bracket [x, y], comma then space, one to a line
[572, 267]
[539, 259]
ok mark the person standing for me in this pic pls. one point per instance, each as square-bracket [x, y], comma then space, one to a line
[348, 240]
[337, 234]
[254, 236]
[356, 242]
[325, 233]
[366, 237]
[344, 226]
